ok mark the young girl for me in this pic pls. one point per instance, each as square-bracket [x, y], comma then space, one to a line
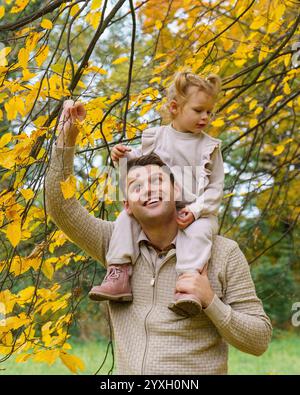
[196, 161]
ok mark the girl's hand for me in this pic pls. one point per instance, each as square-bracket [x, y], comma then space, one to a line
[118, 152]
[71, 114]
[184, 218]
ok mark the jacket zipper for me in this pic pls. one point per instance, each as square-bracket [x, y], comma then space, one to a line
[153, 284]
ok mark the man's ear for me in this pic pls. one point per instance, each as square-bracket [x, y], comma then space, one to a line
[127, 208]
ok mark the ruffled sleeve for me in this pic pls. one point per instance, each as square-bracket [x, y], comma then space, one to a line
[210, 182]
[149, 137]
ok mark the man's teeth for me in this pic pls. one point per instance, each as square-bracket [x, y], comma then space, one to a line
[152, 201]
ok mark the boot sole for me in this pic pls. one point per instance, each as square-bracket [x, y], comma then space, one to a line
[117, 298]
[186, 308]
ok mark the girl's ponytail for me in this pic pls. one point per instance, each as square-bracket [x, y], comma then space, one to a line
[216, 83]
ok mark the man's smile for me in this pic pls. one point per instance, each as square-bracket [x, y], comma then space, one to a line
[153, 202]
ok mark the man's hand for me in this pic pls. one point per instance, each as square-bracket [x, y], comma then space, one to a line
[118, 152]
[184, 218]
[196, 284]
[67, 125]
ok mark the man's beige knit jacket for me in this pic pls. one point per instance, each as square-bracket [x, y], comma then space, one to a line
[149, 338]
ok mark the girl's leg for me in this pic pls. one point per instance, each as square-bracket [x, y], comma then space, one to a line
[194, 244]
[193, 251]
[123, 247]
[122, 253]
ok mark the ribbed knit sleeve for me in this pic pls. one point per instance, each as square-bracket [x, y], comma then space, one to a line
[240, 318]
[91, 234]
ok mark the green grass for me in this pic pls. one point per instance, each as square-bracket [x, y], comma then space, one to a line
[282, 357]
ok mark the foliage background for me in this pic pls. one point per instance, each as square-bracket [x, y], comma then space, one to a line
[118, 57]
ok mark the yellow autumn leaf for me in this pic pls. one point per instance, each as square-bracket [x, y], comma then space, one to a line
[5, 139]
[233, 116]
[67, 346]
[253, 122]
[227, 44]
[42, 55]
[22, 358]
[48, 356]
[155, 79]
[229, 195]
[276, 100]
[232, 108]
[263, 53]
[48, 269]
[159, 55]
[95, 69]
[75, 8]
[258, 110]
[218, 123]
[12, 106]
[252, 104]
[27, 75]
[46, 24]
[240, 62]
[93, 18]
[287, 59]
[286, 89]
[3, 53]
[273, 27]
[120, 60]
[146, 108]
[279, 149]
[279, 11]
[19, 6]
[96, 4]
[158, 25]
[23, 57]
[258, 23]
[13, 233]
[27, 193]
[32, 40]
[68, 187]
[2, 11]
[72, 362]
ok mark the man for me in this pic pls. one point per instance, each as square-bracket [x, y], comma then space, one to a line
[149, 338]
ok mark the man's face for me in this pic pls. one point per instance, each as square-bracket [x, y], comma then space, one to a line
[150, 194]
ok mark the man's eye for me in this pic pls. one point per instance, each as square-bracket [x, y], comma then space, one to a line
[156, 180]
[136, 187]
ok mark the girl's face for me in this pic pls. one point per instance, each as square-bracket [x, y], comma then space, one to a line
[195, 114]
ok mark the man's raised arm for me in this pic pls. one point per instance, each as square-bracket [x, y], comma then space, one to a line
[91, 234]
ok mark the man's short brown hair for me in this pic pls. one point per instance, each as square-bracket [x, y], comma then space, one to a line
[150, 159]
[145, 160]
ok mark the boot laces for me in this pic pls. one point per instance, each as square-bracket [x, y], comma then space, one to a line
[113, 273]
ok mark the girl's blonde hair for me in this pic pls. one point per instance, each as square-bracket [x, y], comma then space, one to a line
[182, 81]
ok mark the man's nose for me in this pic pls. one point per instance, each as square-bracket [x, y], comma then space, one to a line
[147, 192]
